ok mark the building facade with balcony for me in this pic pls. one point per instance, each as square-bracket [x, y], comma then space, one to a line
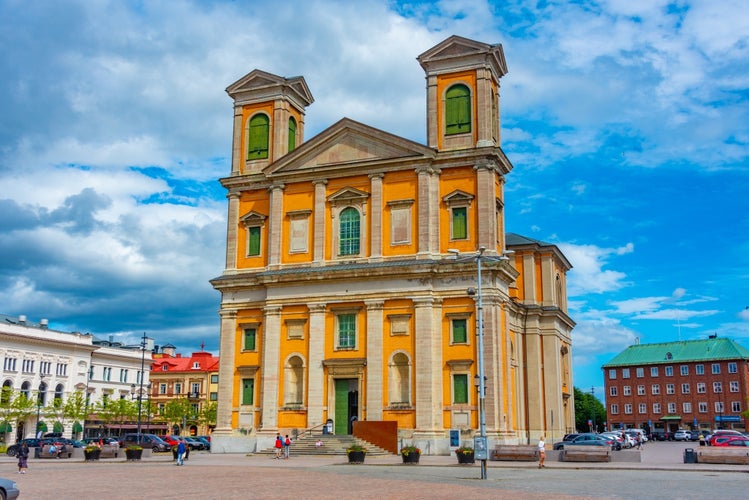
[342, 298]
[693, 384]
[194, 378]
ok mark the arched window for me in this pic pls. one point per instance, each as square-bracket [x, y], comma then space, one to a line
[292, 134]
[457, 110]
[42, 394]
[348, 243]
[399, 380]
[257, 137]
[6, 393]
[294, 381]
[59, 391]
[26, 390]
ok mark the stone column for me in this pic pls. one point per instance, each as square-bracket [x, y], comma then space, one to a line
[428, 212]
[270, 369]
[237, 159]
[376, 216]
[486, 205]
[428, 364]
[434, 103]
[318, 256]
[316, 379]
[232, 231]
[275, 226]
[226, 377]
[375, 385]
[484, 108]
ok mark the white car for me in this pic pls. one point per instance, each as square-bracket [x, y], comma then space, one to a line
[682, 435]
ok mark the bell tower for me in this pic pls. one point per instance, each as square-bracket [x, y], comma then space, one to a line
[463, 93]
[268, 119]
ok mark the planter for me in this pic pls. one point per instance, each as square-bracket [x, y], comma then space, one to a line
[465, 458]
[91, 455]
[411, 458]
[356, 457]
[133, 455]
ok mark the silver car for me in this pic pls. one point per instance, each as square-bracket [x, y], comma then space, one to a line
[8, 489]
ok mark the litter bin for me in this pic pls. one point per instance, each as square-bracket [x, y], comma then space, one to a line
[690, 456]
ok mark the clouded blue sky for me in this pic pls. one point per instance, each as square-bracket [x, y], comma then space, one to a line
[627, 122]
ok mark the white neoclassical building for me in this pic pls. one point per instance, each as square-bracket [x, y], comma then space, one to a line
[51, 364]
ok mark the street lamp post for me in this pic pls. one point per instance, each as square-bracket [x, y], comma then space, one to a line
[144, 344]
[480, 443]
[39, 404]
[593, 406]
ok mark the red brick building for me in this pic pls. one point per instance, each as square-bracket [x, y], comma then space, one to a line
[696, 385]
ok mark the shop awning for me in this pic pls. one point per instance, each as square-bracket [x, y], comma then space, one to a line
[5, 427]
[58, 427]
[77, 427]
[41, 426]
[671, 417]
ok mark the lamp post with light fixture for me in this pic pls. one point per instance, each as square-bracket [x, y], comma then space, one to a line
[39, 393]
[480, 442]
[146, 343]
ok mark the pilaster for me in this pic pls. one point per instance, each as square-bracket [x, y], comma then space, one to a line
[275, 227]
[316, 378]
[232, 231]
[226, 377]
[318, 257]
[486, 204]
[376, 216]
[428, 368]
[270, 368]
[375, 376]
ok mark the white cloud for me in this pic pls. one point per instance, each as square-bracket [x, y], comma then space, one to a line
[588, 274]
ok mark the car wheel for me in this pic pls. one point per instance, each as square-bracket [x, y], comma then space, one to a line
[2, 495]
[11, 452]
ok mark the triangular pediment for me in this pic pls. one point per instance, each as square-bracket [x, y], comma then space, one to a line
[458, 53]
[253, 218]
[349, 143]
[261, 85]
[347, 195]
[458, 197]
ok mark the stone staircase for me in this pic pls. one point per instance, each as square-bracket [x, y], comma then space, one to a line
[331, 445]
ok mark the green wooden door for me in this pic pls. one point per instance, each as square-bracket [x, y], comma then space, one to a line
[341, 406]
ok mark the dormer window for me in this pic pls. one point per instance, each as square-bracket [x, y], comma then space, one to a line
[196, 366]
[164, 367]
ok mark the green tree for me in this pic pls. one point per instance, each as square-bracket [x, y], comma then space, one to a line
[586, 406]
[75, 408]
[116, 411]
[208, 415]
[178, 412]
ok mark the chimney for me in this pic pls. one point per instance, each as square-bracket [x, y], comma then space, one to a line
[44, 323]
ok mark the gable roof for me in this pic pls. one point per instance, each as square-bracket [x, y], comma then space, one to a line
[684, 351]
[258, 85]
[345, 142]
[456, 53]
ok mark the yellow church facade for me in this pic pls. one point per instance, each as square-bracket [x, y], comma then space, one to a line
[342, 297]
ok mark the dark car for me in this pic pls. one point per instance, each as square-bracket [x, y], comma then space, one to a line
[694, 436]
[30, 442]
[8, 489]
[588, 439]
[146, 441]
[659, 435]
[204, 441]
[194, 444]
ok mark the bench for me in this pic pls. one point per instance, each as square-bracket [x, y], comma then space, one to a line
[583, 453]
[59, 451]
[110, 451]
[506, 452]
[723, 455]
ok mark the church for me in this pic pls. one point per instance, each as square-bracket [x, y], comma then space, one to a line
[352, 260]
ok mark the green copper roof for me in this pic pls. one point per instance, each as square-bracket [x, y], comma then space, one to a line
[680, 352]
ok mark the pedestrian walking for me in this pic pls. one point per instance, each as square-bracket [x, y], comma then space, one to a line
[181, 449]
[279, 446]
[286, 447]
[541, 453]
[23, 458]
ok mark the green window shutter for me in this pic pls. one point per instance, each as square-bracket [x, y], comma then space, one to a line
[460, 223]
[257, 140]
[457, 110]
[348, 243]
[292, 134]
[459, 331]
[249, 339]
[460, 389]
[347, 331]
[248, 391]
[254, 243]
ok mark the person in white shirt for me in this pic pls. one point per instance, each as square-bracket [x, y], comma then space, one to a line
[541, 452]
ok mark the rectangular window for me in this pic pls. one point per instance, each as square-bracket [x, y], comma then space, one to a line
[162, 388]
[460, 331]
[612, 374]
[716, 368]
[653, 371]
[253, 241]
[717, 387]
[640, 372]
[628, 409]
[195, 389]
[627, 390]
[702, 407]
[178, 388]
[672, 408]
[735, 406]
[719, 407]
[699, 370]
[250, 339]
[733, 386]
[684, 369]
[614, 409]
[642, 408]
[655, 389]
[214, 379]
[732, 368]
[640, 390]
[459, 223]
[701, 388]
[686, 407]
[460, 388]
[685, 388]
[625, 372]
[214, 396]
[656, 408]
[612, 391]
[248, 391]
[670, 389]
[669, 371]
[346, 331]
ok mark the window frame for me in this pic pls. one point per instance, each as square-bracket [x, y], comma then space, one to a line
[258, 137]
[458, 109]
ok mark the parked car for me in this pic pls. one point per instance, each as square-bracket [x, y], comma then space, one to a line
[8, 489]
[194, 444]
[682, 435]
[622, 439]
[731, 441]
[30, 442]
[146, 441]
[171, 440]
[722, 432]
[589, 439]
[205, 442]
[661, 435]
[694, 435]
